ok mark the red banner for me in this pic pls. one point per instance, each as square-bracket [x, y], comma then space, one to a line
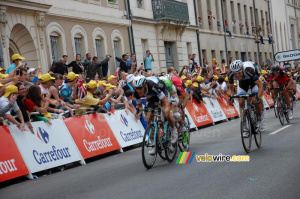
[92, 135]
[199, 113]
[11, 162]
[269, 99]
[229, 110]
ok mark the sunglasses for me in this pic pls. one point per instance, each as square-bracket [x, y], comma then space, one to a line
[238, 72]
[139, 88]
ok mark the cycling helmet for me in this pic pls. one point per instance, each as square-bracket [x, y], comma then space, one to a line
[139, 81]
[287, 65]
[275, 68]
[236, 65]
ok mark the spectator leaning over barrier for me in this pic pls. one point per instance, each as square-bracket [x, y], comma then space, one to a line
[113, 80]
[196, 93]
[113, 100]
[66, 91]
[89, 100]
[46, 83]
[129, 94]
[5, 100]
[17, 61]
[54, 94]
[22, 72]
[129, 86]
[22, 94]
[33, 100]
[6, 108]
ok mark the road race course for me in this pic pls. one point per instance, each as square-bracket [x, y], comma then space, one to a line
[273, 170]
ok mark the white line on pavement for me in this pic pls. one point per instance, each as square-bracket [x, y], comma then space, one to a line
[279, 130]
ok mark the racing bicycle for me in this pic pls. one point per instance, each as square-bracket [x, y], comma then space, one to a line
[158, 135]
[281, 106]
[249, 123]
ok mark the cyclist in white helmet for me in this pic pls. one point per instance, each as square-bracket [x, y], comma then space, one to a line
[247, 83]
[155, 91]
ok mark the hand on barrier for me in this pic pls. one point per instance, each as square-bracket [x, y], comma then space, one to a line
[230, 101]
[138, 116]
[21, 127]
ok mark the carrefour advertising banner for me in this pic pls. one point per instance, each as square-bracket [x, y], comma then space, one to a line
[92, 134]
[127, 131]
[11, 162]
[199, 113]
[213, 107]
[48, 147]
[230, 111]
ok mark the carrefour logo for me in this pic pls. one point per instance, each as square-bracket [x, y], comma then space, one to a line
[43, 135]
[124, 120]
[195, 107]
[89, 127]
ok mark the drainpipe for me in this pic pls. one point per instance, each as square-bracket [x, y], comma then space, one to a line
[256, 24]
[227, 60]
[197, 33]
[271, 28]
[130, 29]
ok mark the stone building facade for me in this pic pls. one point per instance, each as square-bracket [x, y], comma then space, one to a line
[42, 31]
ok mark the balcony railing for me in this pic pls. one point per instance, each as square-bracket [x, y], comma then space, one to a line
[170, 10]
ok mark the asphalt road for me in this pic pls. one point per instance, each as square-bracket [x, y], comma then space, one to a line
[273, 170]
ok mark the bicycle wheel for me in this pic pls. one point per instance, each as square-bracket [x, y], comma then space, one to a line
[184, 140]
[161, 151]
[147, 145]
[275, 108]
[246, 130]
[285, 110]
[280, 111]
[257, 136]
[171, 149]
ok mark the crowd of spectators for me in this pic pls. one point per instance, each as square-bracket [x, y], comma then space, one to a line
[26, 95]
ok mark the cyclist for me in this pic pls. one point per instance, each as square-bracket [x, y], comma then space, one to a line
[279, 78]
[287, 66]
[175, 100]
[155, 91]
[292, 90]
[248, 82]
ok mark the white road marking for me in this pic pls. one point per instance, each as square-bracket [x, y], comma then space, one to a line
[279, 130]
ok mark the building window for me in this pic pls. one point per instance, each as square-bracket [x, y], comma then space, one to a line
[99, 48]
[95, 2]
[79, 45]
[117, 50]
[140, 3]
[54, 41]
[145, 46]
[113, 1]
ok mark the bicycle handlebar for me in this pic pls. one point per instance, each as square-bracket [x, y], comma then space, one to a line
[242, 96]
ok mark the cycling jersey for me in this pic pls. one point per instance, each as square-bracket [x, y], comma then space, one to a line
[168, 83]
[177, 82]
[248, 79]
[283, 78]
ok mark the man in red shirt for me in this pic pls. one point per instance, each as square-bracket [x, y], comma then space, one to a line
[279, 78]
